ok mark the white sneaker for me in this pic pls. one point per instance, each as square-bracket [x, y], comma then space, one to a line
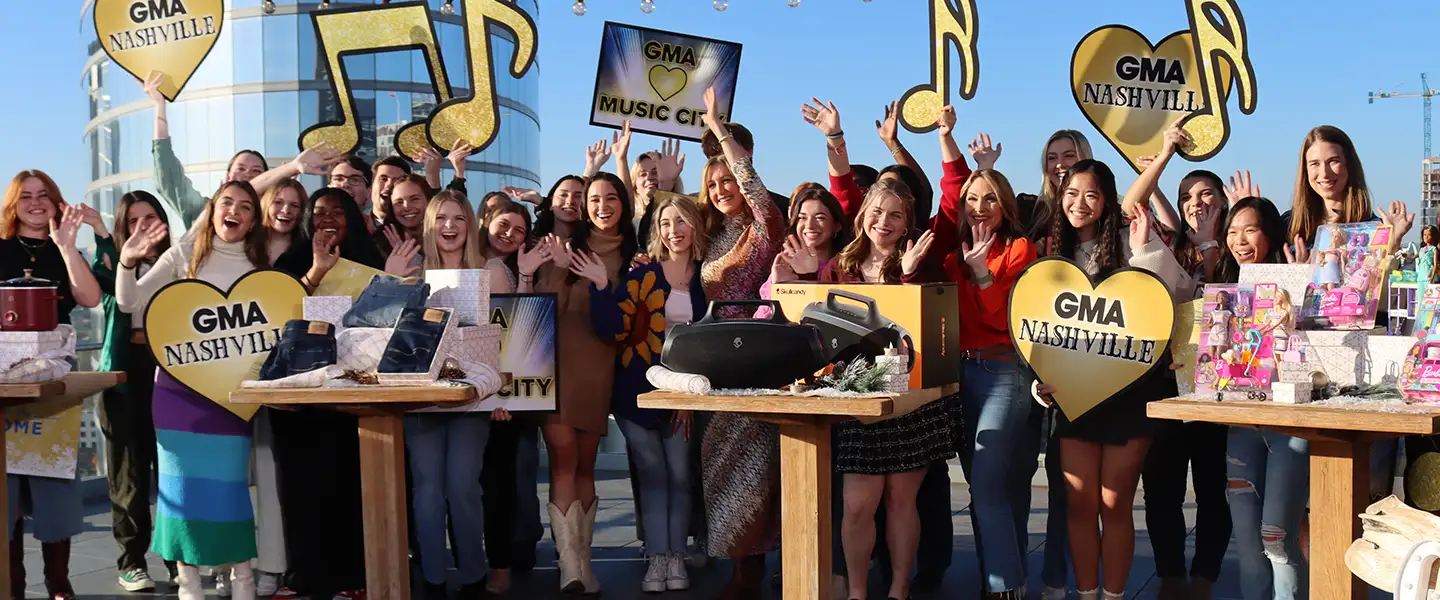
[676, 577]
[654, 581]
[136, 580]
[267, 584]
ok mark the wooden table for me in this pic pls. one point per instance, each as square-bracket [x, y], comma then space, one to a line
[382, 465]
[1339, 467]
[805, 467]
[77, 385]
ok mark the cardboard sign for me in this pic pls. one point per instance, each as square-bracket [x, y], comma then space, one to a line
[368, 29]
[43, 439]
[657, 80]
[167, 36]
[1089, 341]
[346, 278]
[528, 359]
[210, 340]
[1132, 90]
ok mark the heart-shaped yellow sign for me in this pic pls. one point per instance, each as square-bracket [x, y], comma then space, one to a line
[166, 36]
[1132, 91]
[211, 340]
[668, 81]
[1090, 342]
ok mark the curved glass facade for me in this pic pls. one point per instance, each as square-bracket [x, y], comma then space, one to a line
[263, 83]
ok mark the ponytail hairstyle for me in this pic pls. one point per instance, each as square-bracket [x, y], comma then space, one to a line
[848, 261]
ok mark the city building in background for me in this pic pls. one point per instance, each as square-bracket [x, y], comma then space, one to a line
[261, 85]
[1429, 190]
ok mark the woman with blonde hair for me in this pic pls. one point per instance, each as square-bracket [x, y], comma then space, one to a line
[281, 206]
[204, 516]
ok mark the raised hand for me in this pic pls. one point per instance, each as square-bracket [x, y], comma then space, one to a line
[323, 251]
[1204, 227]
[671, 163]
[946, 122]
[558, 252]
[392, 236]
[523, 194]
[802, 259]
[399, 262]
[712, 115]
[596, 155]
[824, 117]
[92, 217]
[915, 252]
[888, 129]
[142, 242]
[589, 266]
[984, 154]
[1140, 228]
[151, 86]
[458, 155]
[317, 159]
[431, 159]
[1398, 218]
[1176, 138]
[1300, 255]
[529, 261]
[978, 249]
[1241, 187]
[63, 233]
[620, 144]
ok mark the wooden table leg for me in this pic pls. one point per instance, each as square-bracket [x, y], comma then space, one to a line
[382, 480]
[805, 510]
[5, 504]
[1339, 491]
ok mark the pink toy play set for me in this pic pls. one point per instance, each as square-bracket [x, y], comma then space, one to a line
[1349, 263]
[1244, 330]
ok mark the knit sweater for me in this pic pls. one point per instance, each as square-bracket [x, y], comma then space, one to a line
[226, 265]
[738, 258]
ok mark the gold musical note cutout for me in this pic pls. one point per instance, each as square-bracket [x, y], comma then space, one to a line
[476, 118]
[1218, 31]
[364, 30]
[920, 106]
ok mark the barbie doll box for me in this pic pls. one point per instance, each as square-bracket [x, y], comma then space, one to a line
[464, 291]
[1237, 347]
[1350, 262]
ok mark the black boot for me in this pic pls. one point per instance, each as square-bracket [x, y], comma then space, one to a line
[434, 591]
[17, 562]
[57, 570]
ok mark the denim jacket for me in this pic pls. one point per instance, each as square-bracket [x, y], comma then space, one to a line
[625, 312]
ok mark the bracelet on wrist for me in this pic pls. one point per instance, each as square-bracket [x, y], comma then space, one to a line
[984, 278]
[125, 267]
[725, 137]
[835, 136]
[896, 149]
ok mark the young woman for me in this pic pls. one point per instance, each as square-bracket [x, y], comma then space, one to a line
[125, 409]
[739, 456]
[281, 207]
[447, 450]
[37, 238]
[816, 232]
[204, 448]
[826, 118]
[1193, 447]
[573, 433]
[668, 287]
[1268, 473]
[995, 405]
[651, 172]
[405, 220]
[1104, 452]
[317, 449]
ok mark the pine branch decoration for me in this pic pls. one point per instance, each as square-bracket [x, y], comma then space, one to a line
[859, 376]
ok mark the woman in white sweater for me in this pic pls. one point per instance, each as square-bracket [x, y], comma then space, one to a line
[203, 516]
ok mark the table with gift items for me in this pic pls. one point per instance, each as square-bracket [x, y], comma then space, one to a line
[1294, 350]
[843, 360]
[401, 346]
[42, 397]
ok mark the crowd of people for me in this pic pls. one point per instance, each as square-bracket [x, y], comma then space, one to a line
[629, 255]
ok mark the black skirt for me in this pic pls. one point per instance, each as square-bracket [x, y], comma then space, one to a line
[905, 443]
[1122, 417]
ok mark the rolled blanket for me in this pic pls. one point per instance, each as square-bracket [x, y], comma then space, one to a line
[484, 377]
[670, 381]
[309, 379]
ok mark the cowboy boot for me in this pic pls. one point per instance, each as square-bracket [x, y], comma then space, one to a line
[57, 569]
[187, 579]
[586, 535]
[562, 529]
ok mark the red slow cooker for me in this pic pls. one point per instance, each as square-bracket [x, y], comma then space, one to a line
[29, 304]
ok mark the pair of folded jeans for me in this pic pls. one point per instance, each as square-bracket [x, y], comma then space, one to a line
[416, 340]
[379, 305]
[304, 346]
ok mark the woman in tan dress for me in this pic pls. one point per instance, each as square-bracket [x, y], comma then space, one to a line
[604, 235]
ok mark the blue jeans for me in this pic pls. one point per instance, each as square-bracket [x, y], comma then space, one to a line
[413, 346]
[299, 351]
[447, 454]
[1056, 572]
[997, 420]
[662, 467]
[1267, 512]
[379, 305]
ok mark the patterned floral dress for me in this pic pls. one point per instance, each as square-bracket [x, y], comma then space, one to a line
[739, 456]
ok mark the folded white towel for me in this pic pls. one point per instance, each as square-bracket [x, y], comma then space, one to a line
[308, 379]
[670, 381]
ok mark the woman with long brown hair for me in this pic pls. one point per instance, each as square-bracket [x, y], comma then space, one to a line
[1330, 188]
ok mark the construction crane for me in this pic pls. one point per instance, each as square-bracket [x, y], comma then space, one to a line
[1426, 93]
[1429, 165]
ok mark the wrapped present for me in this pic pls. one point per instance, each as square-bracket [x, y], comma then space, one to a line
[360, 348]
[1290, 393]
[16, 346]
[466, 292]
[1351, 357]
[330, 309]
[416, 353]
[479, 344]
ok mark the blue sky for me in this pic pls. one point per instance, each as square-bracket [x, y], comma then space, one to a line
[1314, 61]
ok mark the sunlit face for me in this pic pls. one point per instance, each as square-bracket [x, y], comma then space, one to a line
[724, 191]
[675, 232]
[245, 167]
[452, 228]
[385, 178]
[284, 211]
[647, 177]
[234, 215]
[602, 205]
[1196, 192]
[330, 218]
[407, 203]
[1060, 155]
[814, 224]
[140, 215]
[345, 177]
[567, 201]
[1245, 239]
[884, 221]
[1326, 169]
[1083, 200]
[982, 204]
[507, 232]
[37, 208]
